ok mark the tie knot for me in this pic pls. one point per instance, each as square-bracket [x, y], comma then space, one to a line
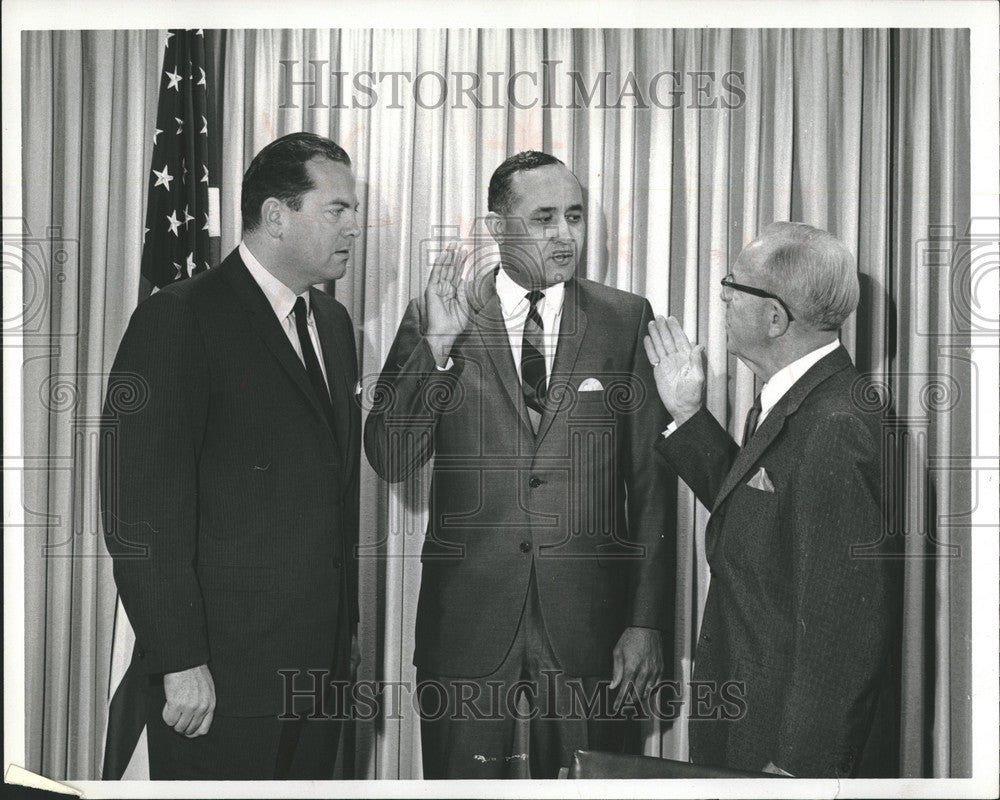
[299, 308]
[534, 296]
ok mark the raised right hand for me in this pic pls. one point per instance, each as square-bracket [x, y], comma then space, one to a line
[447, 302]
[677, 368]
[190, 704]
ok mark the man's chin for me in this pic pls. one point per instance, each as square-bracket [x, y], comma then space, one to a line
[559, 273]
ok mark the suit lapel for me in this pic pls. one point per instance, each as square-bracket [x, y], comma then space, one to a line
[493, 334]
[769, 429]
[335, 349]
[572, 328]
[266, 324]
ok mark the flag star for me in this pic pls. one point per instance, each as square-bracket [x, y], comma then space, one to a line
[184, 170]
[169, 36]
[187, 217]
[201, 81]
[175, 81]
[163, 178]
[204, 125]
[200, 32]
[190, 264]
[204, 178]
[180, 270]
[156, 133]
[205, 263]
[173, 222]
[205, 226]
[180, 125]
[144, 232]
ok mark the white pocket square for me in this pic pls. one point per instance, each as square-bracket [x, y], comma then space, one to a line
[357, 389]
[761, 481]
[591, 385]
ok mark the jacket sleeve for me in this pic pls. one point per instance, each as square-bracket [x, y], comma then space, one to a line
[701, 452]
[154, 418]
[651, 497]
[399, 431]
[841, 601]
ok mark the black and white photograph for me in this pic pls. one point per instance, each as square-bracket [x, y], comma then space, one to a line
[462, 400]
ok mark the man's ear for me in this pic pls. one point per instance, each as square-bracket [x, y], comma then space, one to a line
[272, 217]
[777, 319]
[496, 225]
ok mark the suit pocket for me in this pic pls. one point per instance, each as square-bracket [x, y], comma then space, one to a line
[230, 578]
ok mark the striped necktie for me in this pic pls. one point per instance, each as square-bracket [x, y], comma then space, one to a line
[533, 382]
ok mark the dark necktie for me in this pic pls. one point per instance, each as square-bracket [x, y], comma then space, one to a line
[312, 362]
[753, 415]
[532, 360]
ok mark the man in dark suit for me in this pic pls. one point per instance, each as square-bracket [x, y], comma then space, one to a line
[230, 483]
[801, 609]
[548, 561]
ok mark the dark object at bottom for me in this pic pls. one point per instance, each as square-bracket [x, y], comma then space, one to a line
[593, 764]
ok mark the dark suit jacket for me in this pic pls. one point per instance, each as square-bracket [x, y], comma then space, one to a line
[804, 623]
[231, 508]
[585, 501]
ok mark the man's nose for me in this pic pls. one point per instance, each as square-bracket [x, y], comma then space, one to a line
[355, 229]
[560, 230]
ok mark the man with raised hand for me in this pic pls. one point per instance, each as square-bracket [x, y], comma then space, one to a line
[801, 613]
[548, 564]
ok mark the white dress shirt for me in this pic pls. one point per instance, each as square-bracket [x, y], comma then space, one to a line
[781, 381]
[282, 302]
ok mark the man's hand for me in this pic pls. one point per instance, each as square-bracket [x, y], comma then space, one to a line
[677, 368]
[447, 302]
[638, 657]
[190, 702]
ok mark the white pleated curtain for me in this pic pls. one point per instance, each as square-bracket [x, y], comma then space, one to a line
[863, 132]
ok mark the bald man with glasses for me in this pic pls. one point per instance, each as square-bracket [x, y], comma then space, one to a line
[801, 616]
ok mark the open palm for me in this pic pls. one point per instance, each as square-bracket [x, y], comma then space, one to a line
[447, 301]
[677, 368]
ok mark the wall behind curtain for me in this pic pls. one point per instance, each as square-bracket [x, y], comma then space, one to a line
[861, 132]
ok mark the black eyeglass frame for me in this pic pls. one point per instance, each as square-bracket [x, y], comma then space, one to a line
[728, 283]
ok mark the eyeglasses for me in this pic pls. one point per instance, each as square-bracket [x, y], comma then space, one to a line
[729, 284]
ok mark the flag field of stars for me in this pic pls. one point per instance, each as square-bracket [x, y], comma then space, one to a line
[176, 238]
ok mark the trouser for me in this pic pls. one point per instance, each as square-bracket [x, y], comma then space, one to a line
[251, 748]
[241, 748]
[523, 720]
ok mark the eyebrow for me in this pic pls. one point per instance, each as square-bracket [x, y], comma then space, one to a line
[551, 209]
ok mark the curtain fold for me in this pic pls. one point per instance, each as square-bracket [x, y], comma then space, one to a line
[862, 132]
[90, 102]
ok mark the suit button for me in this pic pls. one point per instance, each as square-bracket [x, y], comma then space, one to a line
[525, 547]
[140, 653]
[535, 482]
[336, 563]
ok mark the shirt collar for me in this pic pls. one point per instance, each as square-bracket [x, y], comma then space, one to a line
[279, 296]
[512, 295]
[786, 377]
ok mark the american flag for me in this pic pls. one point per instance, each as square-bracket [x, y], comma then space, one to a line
[176, 243]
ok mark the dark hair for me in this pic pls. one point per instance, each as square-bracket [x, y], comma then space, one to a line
[279, 170]
[501, 196]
